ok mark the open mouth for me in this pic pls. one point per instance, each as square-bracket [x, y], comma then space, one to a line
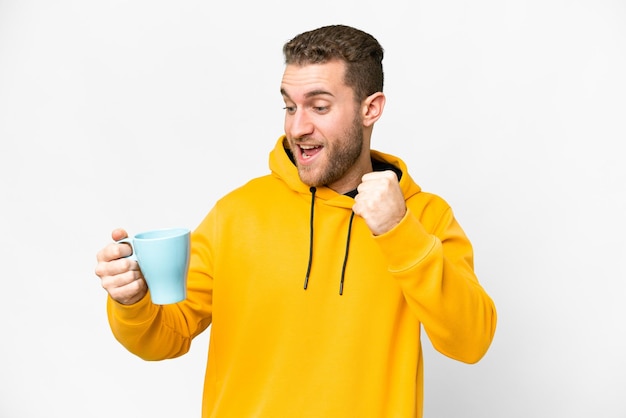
[308, 151]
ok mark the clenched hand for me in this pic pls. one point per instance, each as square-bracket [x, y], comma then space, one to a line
[380, 201]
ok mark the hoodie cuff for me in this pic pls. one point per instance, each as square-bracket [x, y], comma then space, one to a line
[134, 314]
[406, 244]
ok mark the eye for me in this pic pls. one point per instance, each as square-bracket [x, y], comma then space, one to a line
[290, 109]
[321, 109]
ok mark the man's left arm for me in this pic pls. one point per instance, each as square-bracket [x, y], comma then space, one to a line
[432, 259]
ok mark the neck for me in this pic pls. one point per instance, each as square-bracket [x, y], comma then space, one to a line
[352, 178]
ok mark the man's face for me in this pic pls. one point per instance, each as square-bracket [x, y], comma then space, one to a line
[322, 125]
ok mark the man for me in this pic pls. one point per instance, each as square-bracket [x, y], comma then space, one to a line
[317, 278]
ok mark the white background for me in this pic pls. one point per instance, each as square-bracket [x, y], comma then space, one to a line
[142, 113]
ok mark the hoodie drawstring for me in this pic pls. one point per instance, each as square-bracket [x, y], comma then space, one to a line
[308, 269]
[345, 257]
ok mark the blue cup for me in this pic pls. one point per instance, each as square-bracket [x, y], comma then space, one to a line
[163, 257]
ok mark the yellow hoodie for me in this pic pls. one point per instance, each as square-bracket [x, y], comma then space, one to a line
[280, 350]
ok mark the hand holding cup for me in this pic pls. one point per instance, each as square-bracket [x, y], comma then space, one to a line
[163, 257]
[119, 275]
[157, 260]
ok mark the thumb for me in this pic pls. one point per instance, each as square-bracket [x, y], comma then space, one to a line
[119, 234]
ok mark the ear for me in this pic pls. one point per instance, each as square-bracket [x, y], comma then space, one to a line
[372, 108]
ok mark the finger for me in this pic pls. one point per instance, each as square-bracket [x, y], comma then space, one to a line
[376, 181]
[371, 190]
[114, 251]
[118, 234]
[127, 293]
[375, 175]
[122, 279]
[115, 267]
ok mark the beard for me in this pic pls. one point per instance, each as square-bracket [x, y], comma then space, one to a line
[341, 156]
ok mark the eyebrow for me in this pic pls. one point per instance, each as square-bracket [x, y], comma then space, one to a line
[309, 94]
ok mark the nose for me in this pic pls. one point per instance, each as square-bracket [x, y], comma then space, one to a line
[298, 124]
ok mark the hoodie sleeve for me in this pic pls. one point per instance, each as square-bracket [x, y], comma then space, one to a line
[432, 260]
[157, 332]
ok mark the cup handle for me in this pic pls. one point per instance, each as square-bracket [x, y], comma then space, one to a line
[129, 241]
